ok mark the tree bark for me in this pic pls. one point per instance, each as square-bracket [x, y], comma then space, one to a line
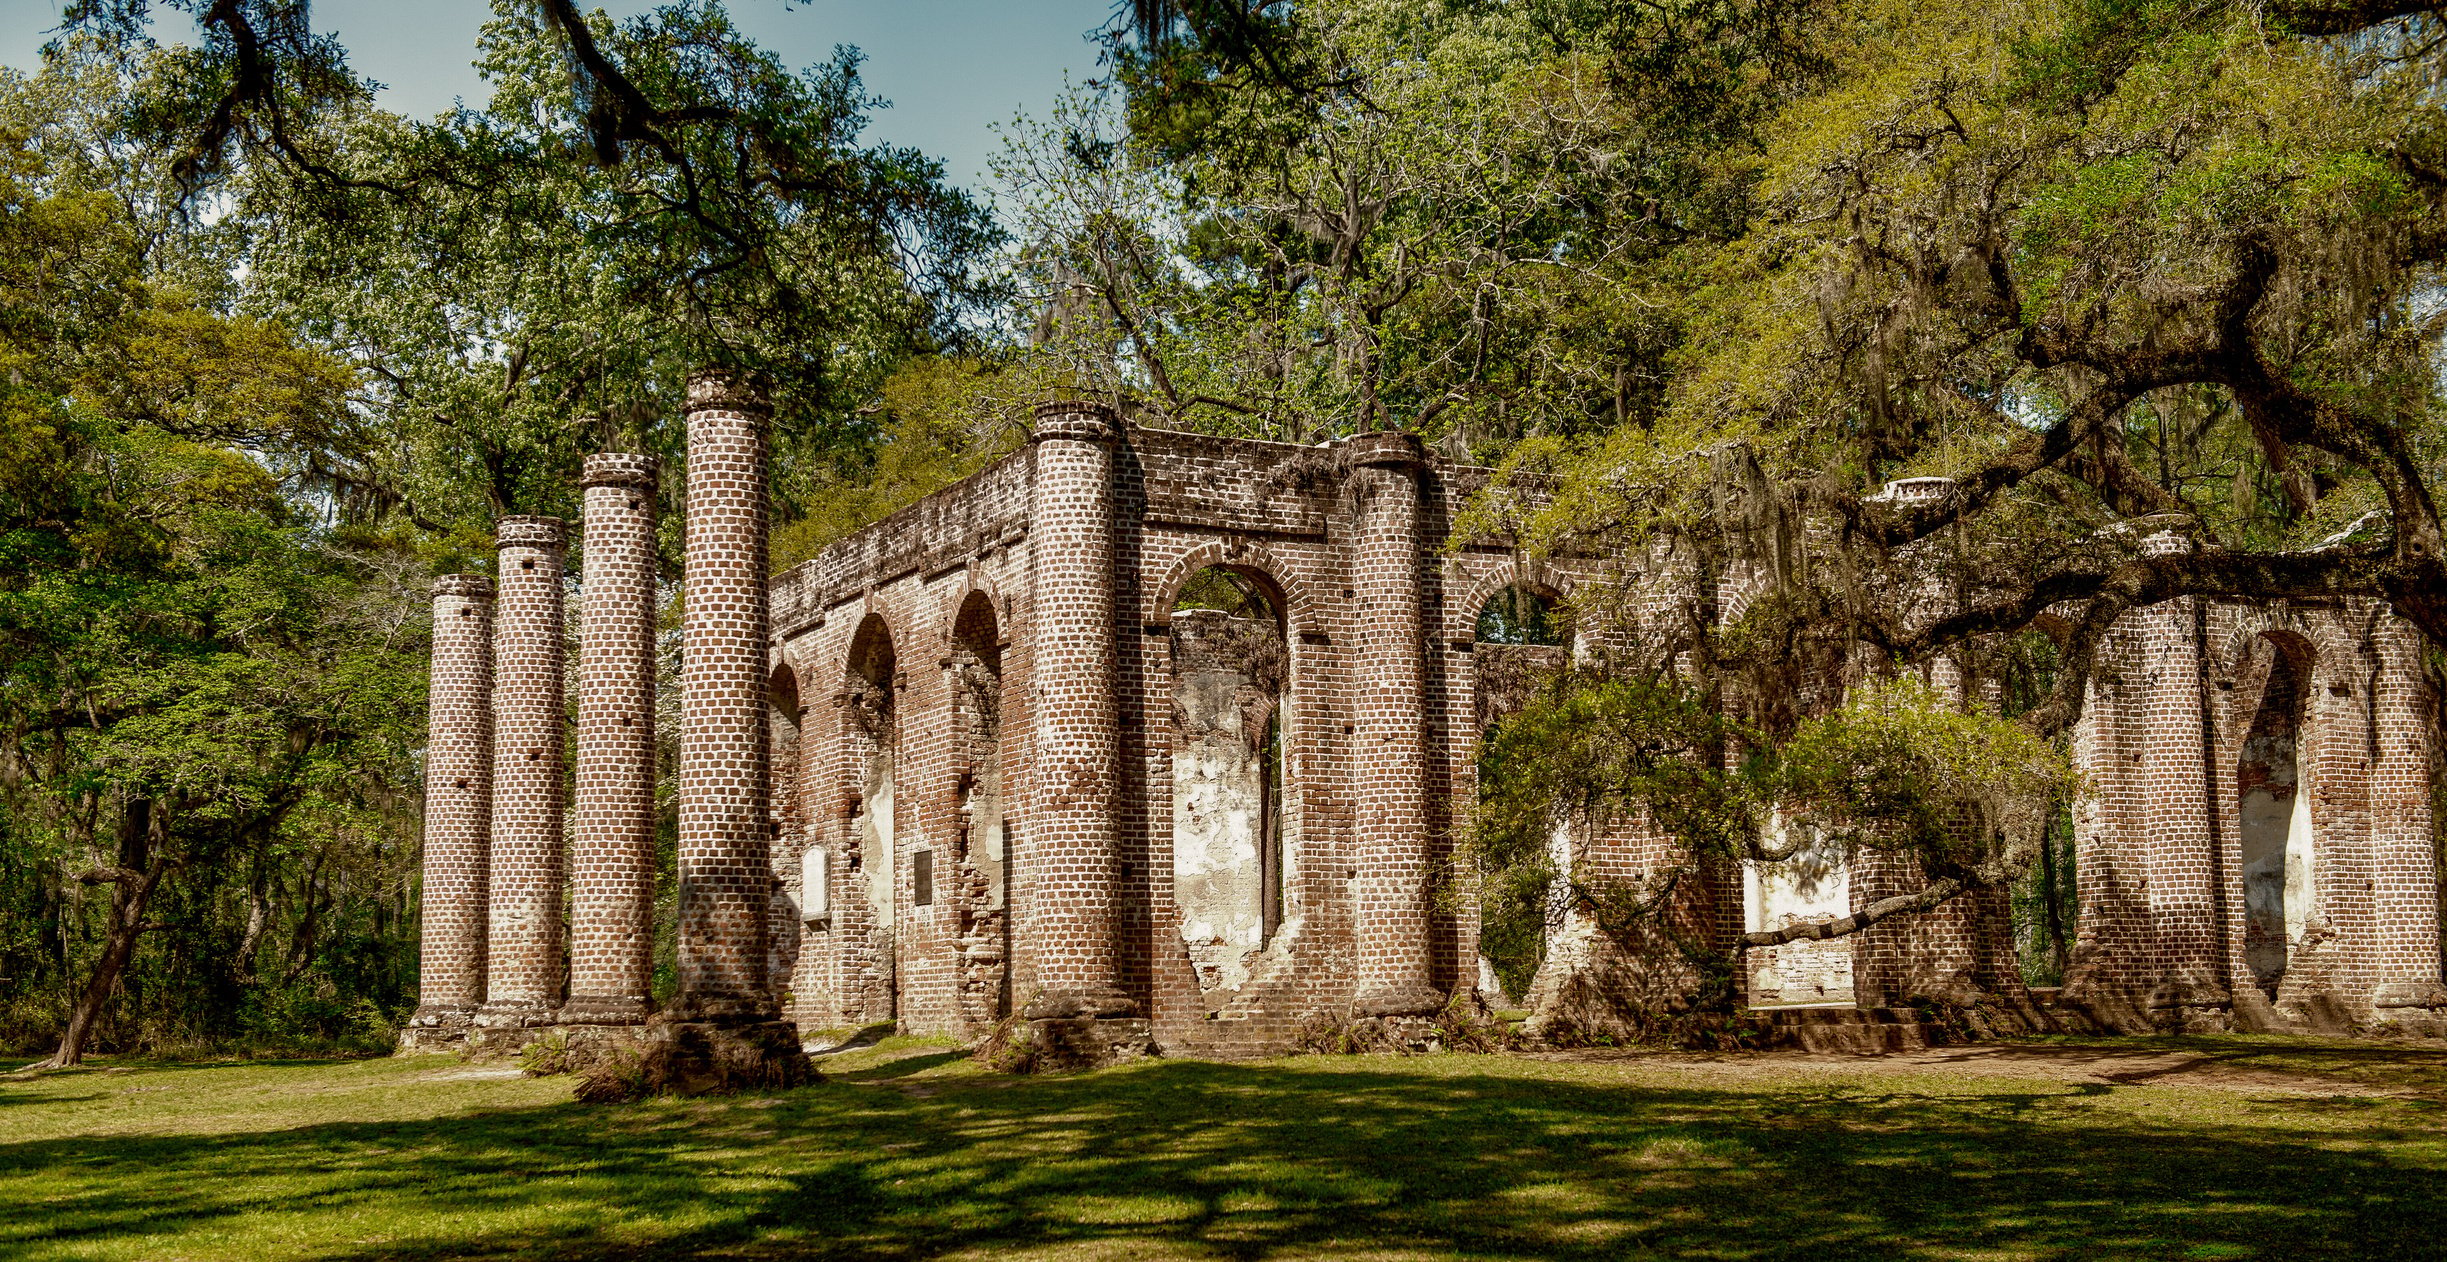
[144, 856]
[1844, 926]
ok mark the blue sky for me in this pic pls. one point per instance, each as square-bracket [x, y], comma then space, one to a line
[951, 68]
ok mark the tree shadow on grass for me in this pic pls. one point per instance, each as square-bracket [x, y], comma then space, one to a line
[1325, 1157]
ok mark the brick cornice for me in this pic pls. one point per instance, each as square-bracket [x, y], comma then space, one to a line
[1078, 419]
[547, 533]
[621, 468]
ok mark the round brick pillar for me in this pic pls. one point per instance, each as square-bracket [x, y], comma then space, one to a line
[726, 795]
[2189, 859]
[1392, 918]
[2405, 955]
[611, 860]
[458, 809]
[524, 975]
[1076, 779]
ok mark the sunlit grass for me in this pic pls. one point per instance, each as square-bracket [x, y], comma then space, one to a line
[2262, 1148]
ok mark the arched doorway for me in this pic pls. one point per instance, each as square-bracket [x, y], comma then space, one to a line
[1522, 637]
[982, 913]
[1233, 816]
[2274, 806]
[791, 917]
[870, 736]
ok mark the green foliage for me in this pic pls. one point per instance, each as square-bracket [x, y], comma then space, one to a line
[1596, 748]
[516, 302]
[546, 1056]
[939, 419]
[1898, 766]
[1457, 218]
[1895, 768]
[199, 683]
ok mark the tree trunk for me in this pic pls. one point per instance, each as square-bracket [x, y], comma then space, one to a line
[143, 858]
[2052, 898]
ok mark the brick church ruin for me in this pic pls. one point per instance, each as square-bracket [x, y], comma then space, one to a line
[1162, 741]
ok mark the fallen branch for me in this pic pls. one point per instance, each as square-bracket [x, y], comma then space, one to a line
[1820, 930]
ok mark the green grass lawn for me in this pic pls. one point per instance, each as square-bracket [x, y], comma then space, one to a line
[2208, 1148]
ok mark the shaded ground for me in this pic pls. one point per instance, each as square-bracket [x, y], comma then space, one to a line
[2206, 1148]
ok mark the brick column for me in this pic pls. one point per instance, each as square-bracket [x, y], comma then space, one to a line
[524, 977]
[1076, 776]
[1396, 968]
[611, 863]
[2186, 854]
[726, 798]
[458, 812]
[2111, 972]
[2405, 951]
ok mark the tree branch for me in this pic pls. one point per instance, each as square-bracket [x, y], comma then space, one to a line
[1843, 926]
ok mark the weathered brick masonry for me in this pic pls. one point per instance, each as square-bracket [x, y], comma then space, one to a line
[458, 811]
[524, 953]
[1070, 558]
[726, 799]
[611, 853]
[992, 758]
[1077, 549]
[2259, 851]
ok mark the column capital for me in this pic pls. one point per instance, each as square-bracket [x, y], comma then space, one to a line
[471, 586]
[1081, 420]
[621, 468]
[1385, 449]
[547, 533]
[741, 390]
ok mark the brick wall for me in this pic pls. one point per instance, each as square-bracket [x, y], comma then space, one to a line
[1078, 548]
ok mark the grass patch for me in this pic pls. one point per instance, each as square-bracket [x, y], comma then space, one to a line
[912, 1151]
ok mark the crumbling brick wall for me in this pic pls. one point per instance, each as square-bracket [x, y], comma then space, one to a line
[974, 711]
[1381, 662]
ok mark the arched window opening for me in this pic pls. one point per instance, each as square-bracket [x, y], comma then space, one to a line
[982, 925]
[2275, 816]
[1232, 592]
[2044, 897]
[871, 734]
[1235, 808]
[782, 724]
[1522, 615]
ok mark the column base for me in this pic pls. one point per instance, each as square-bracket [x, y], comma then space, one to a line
[720, 1009]
[1089, 1042]
[2410, 1008]
[709, 1058]
[2192, 1005]
[1051, 1005]
[501, 1029]
[2409, 995]
[603, 1010]
[1403, 999]
[435, 1030]
[514, 1015]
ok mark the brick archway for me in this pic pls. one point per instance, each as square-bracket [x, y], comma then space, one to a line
[1304, 608]
[1532, 576]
